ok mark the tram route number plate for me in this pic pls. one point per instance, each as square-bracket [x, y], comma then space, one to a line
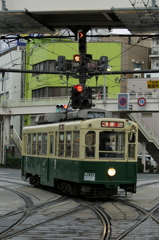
[89, 176]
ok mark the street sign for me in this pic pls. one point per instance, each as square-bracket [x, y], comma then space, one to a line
[123, 101]
[152, 84]
[141, 101]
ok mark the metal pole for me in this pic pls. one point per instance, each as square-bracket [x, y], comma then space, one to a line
[4, 94]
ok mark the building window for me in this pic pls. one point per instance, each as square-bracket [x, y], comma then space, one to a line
[40, 92]
[148, 76]
[44, 66]
[51, 92]
[157, 64]
[137, 65]
[157, 42]
[2, 96]
[51, 65]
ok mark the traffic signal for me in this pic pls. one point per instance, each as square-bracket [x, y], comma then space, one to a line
[61, 63]
[90, 92]
[77, 96]
[103, 63]
[87, 103]
[82, 42]
[61, 108]
[82, 97]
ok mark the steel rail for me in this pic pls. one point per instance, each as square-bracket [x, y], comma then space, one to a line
[105, 221]
[26, 212]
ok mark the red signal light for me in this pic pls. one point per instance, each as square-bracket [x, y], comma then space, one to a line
[78, 87]
[76, 58]
[65, 106]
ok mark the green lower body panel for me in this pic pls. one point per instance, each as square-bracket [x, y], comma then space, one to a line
[86, 173]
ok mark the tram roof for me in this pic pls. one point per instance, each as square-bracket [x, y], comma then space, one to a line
[84, 123]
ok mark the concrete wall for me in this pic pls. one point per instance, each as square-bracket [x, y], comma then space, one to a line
[69, 5]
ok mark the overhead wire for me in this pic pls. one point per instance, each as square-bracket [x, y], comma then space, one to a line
[66, 44]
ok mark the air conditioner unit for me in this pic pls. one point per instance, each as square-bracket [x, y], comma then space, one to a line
[137, 75]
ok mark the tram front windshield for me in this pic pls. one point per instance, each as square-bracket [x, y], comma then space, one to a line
[111, 144]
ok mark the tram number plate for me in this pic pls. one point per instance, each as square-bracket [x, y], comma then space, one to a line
[89, 176]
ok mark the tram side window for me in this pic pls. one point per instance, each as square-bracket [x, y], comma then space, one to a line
[39, 147]
[90, 141]
[33, 143]
[68, 144]
[29, 144]
[76, 140]
[61, 144]
[44, 143]
[131, 145]
[52, 144]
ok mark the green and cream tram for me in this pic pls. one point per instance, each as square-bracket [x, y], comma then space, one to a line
[93, 157]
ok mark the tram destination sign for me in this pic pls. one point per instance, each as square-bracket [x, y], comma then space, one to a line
[112, 124]
[153, 84]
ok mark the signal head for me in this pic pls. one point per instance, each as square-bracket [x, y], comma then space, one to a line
[65, 106]
[61, 108]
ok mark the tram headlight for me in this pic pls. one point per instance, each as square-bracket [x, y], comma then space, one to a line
[111, 172]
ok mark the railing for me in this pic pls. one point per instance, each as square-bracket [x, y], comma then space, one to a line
[65, 99]
[150, 135]
[33, 101]
[16, 139]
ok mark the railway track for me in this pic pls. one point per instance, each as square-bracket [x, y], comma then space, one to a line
[140, 220]
[62, 217]
[30, 220]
